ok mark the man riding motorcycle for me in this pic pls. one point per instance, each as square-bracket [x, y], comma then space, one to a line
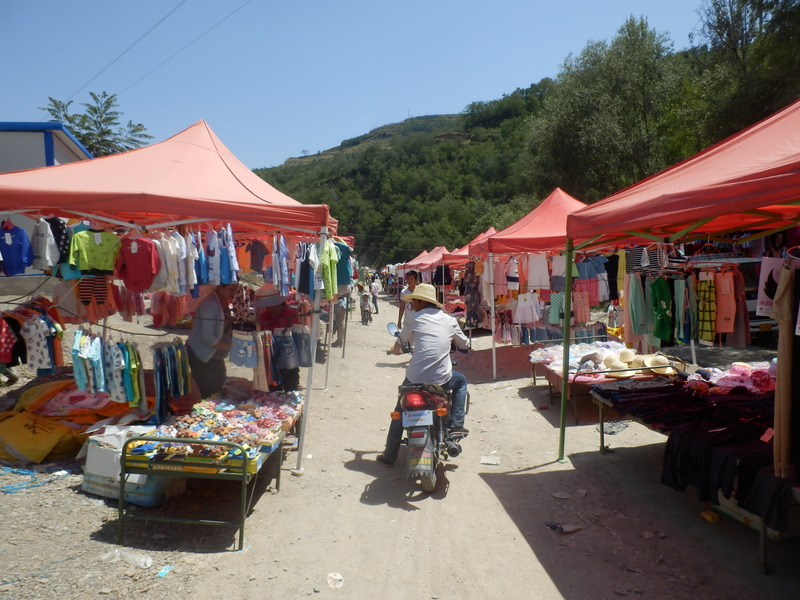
[430, 331]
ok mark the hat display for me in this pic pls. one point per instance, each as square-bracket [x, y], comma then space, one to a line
[269, 295]
[610, 358]
[637, 362]
[627, 355]
[658, 364]
[425, 292]
[613, 370]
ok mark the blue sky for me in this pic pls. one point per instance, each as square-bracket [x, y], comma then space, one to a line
[275, 78]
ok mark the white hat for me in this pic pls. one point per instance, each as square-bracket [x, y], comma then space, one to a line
[613, 370]
[637, 362]
[269, 295]
[425, 292]
[610, 358]
[658, 364]
[626, 355]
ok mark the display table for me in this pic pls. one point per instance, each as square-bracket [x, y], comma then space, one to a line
[733, 472]
[226, 468]
[578, 384]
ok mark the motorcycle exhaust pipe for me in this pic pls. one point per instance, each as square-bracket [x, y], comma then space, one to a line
[453, 449]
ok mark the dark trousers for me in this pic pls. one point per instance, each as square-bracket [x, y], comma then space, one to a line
[290, 380]
[209, 376]
[375, 302]
[458, 388]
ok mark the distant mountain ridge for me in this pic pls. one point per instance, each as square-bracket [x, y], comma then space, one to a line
[447, 126]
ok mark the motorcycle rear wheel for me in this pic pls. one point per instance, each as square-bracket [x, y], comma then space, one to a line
[428, 481]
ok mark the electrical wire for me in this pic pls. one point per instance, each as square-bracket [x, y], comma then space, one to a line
[198, 38]
[128, 49]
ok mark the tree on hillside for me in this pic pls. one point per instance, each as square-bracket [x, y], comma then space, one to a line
[602, 127]
[99, 128]
[752, 64]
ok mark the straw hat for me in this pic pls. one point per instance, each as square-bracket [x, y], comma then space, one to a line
[627, 355]
[658, 364]
[609, 359]
[425, 292]
[637, 362]
[269, 295]
[613, 370]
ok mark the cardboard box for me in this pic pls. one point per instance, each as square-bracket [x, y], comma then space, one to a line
[103, 452]
[153, 492]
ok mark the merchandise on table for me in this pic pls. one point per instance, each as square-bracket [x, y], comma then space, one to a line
[258, 424]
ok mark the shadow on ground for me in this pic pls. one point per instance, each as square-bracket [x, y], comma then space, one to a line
[617, 501]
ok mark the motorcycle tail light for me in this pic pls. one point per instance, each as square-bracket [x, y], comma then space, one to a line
[395, 416]
[414, 400]
[442, 412]
[419, 433]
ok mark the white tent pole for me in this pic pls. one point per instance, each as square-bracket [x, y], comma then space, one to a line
[331, 321]
[314, 334]
[570, 260]
[491, 312]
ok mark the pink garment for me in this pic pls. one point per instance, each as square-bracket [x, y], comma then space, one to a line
[726, 302]
[590, 286]
[67, 402]
[580, 306]
[500, 282]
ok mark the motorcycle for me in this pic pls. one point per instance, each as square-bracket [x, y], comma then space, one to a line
[425, 415]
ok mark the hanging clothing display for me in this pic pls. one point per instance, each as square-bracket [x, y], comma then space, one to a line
[538, 272]
[472, 296]
[138, 263]
[45, 249]
[16, 249]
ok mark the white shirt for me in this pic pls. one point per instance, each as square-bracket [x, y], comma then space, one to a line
[375, 288]
[430, 330]
[409, 307]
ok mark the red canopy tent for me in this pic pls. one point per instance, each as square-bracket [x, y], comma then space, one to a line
[751, 180]
[430, 260]
[412, 263]
[747, 182]
[542, 229]
[459, 258]
[190, 177]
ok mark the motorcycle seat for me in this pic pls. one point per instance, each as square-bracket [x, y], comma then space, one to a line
[428, 387]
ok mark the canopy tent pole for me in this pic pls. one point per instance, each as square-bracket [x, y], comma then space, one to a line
[331, 321]
[491, 312]
[346, 322]
[310, 378]
[565, 356]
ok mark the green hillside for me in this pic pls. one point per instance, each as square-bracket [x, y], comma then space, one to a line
[619, 111]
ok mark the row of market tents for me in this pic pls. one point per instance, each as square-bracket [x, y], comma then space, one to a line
[749, 182]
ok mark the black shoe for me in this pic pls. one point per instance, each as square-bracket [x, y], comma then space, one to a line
[460, 430]
[336, 345]
[384, 461]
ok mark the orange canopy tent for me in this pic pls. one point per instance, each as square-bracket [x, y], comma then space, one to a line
[412, 263]
[190, 177]
[459, 258]
[430, 260]
[542, 229]
[748, 181]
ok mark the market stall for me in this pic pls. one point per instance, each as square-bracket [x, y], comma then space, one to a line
[150, 210]
[541, 231]
[745, 186]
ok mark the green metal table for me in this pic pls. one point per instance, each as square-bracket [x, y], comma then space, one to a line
[243, 471]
